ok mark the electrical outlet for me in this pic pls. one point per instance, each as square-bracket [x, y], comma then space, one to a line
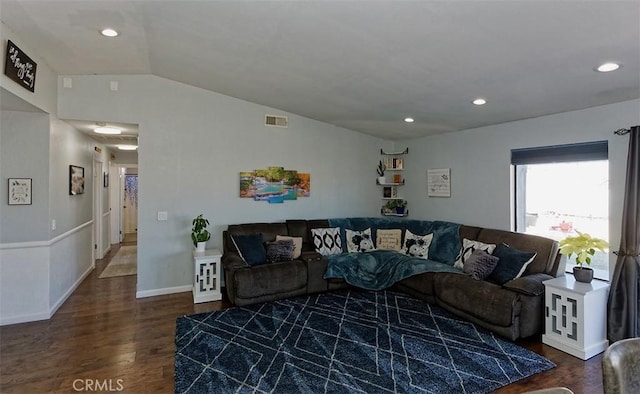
[162, 215]
[53, 224]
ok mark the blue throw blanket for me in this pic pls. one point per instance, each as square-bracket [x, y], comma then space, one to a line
[379, 269]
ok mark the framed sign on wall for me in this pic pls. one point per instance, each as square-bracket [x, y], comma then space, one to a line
[19, 67]
[19, 191]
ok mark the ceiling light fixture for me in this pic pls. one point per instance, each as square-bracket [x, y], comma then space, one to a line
[127, 147]
[606, 67]
[479, 101]
[409, 120]
[108, 32]
[107, 130]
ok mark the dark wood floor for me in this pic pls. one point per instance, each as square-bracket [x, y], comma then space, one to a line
[103, 333]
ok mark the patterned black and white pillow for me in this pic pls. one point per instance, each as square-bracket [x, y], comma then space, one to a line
[281, 250]
[359, 241]
[468, 247]
[327, 240]
[417, 245]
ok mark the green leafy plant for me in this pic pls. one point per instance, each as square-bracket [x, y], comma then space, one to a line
[583, 246]
[381, 168]
[399, 203]
[199, 232]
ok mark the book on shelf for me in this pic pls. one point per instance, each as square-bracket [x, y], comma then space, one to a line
[389, 192]
[397, 178]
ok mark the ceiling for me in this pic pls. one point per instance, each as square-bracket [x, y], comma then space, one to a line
[362, 65]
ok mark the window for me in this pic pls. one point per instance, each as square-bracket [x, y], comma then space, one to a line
[563, 189]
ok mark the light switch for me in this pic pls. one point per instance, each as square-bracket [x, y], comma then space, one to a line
[113, 85]
[162, 215]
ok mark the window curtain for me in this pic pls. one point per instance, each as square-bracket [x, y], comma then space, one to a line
[623, 317]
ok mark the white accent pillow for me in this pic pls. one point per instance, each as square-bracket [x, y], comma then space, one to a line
[468, 247]
[417, 245]
[359, 241]
[327, 240]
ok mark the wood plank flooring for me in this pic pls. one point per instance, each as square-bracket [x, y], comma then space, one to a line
[103, 336]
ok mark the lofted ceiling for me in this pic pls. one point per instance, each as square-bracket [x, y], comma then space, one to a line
[362, 65]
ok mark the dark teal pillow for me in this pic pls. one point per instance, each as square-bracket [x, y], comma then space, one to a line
[250, 248]
[511, 265]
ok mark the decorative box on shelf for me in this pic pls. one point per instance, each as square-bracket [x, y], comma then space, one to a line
[206, 285]
[576, 316]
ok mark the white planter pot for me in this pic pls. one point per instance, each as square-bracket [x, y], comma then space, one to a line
[382, 180]
[201, 246]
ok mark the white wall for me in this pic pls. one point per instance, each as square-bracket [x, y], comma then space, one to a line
[193, 145]
[24, 139]
[480, 164]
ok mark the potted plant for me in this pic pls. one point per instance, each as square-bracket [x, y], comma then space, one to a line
[398, 206]
[199, 233]
[584, 247]
[381, 169]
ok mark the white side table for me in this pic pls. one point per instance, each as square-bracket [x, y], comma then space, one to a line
[206, 284]
[576, 316]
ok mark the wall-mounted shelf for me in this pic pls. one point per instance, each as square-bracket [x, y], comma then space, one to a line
[404, 152]
[390, 193]
[390, 183]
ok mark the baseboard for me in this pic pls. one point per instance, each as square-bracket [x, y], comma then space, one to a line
[165, 291]
[68, 293]
[24, 319]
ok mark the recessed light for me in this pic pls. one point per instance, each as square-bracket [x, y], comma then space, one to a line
[107, 130]
[606, 67]
[479, 101]
[108, 32]
[127, 147]
[409, 120]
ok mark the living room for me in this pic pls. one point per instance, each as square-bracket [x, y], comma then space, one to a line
[193, 143]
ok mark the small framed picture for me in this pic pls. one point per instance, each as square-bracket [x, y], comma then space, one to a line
[106, 180]
[76, 180]
[19, 191]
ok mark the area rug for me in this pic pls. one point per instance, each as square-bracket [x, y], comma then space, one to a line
[344, 342]
[123, 263]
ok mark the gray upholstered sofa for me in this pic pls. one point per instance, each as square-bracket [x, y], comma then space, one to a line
[513, 310]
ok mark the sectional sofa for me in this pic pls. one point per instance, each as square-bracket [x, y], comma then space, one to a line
[513, 309]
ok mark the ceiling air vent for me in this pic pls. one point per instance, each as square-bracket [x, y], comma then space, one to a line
[276, 121]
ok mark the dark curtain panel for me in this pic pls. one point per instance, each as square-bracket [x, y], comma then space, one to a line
[623, 305]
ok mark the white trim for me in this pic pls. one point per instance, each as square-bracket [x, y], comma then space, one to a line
[166, 290]
[68, 293]
[24, 318]
[42, 244]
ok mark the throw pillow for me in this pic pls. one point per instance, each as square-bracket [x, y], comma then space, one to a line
[417, 245]
[359, 241]
[327, 240]
[389, 239]
[279, 250]
[250, 248]
[511, 265]
[297, 244]
[480, 264]
[468, 246]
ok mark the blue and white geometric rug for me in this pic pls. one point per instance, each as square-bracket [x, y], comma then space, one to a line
[344, 342]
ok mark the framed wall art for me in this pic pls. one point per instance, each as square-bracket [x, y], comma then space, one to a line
[19, 191]
[76, 180]
[439, 182]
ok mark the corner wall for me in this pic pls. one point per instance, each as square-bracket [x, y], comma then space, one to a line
[480, 162]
